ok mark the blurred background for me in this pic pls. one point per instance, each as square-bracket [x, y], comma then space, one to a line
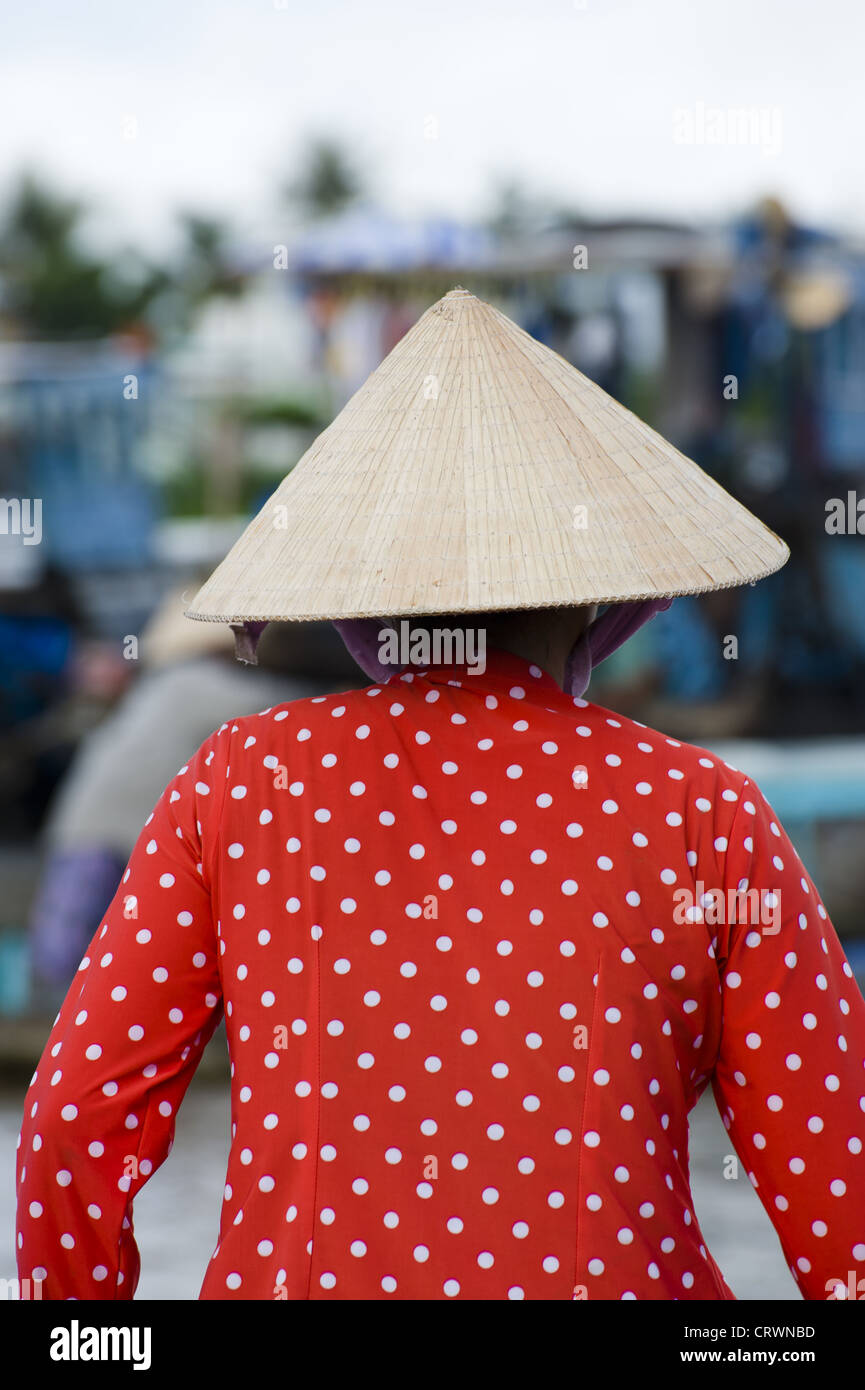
[214, 223]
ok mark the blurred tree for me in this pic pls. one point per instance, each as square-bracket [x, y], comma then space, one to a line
[51, 286]
[513, 211]
[516, 214]
[328, 181]
[205, 266]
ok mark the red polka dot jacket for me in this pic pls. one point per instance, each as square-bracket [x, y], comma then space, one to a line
[479, 947]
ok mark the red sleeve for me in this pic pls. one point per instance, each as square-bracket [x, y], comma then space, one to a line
[789, 1079]
[100, 1112]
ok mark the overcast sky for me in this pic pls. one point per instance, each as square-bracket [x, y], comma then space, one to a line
[604, 104]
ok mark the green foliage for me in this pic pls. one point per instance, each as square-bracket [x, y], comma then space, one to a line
[187, 492]
[640, 392]
[281, 410]
[54, 288]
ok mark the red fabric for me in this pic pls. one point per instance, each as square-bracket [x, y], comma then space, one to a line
[426, 1125]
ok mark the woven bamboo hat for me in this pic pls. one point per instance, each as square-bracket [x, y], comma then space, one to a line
[476, 470]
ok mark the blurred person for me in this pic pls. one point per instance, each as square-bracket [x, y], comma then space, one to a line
[190, 684]
[40, 634]
[470, 932]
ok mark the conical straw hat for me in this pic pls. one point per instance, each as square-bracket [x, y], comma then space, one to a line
[477, 470]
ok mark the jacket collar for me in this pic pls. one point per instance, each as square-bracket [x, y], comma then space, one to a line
[504, 673]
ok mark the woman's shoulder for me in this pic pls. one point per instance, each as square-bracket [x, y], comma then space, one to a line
[678, 759]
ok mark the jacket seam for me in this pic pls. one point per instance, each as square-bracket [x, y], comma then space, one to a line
[591, 1049]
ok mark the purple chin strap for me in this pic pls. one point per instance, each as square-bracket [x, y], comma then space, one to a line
[600, 639]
